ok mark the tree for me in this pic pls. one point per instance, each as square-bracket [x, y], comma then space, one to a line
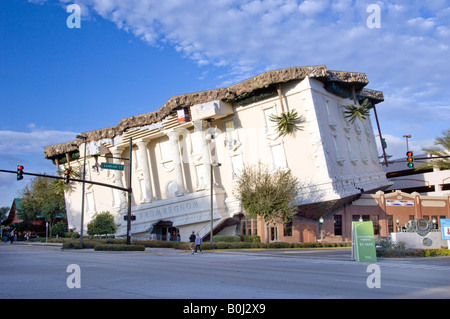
[102, 224]
[59, 229]
[441, 149]
[352, 112]
[3, 212]
[41, 198]
[269, 195]
[287, 122]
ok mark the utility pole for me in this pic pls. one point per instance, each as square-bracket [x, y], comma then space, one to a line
[129, 194]
[83, 189]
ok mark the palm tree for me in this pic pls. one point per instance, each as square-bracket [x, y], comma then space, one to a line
[441, 150]
[287, 122]
[362, 112]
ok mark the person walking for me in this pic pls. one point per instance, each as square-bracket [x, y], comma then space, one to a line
[192, 242]
[198, 242]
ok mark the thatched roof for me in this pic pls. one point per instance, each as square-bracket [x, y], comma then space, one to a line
[261, 81]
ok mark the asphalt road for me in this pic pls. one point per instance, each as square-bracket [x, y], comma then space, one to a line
[44, 272]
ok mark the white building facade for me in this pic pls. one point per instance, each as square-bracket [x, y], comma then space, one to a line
[176, 149]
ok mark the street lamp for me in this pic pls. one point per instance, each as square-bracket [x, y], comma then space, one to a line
[407, 146]
[212, 202]
[84, 138]
[320, 228]
[210, 136]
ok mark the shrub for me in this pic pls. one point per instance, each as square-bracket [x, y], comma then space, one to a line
[411, 252]
[71, 235]
[226, 239]
[236, 239]
[59, 229]
[102, 224]
[250, 238]
[279, 244]
[119, 247]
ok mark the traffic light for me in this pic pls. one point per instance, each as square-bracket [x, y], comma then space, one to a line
[67, 176]
[133, 217]
[19, 172]
[410, 159]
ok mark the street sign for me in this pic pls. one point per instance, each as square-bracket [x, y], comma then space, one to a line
[363, 242]
[445, 230]
[117, 167]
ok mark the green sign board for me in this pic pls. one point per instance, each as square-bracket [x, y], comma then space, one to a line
[117, 167]
[363, 242]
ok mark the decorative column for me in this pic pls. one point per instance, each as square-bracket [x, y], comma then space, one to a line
[144, 165]
[175, 154]
[120, 200]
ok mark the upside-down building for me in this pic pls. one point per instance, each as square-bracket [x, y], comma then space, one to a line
[176, 150]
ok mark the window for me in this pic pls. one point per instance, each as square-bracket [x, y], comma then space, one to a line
[196, 142]
[331, 121]
[231, 137]
[338, 225]
[376, 224]
[166, 156]
[360, 218]
[353, 157]
[249, 226]
[361, 151]
[435, 223]
[390, 224]
[201, 176]
[237, 165]
[287, 229]
[270, 125]
[278, 156]
[339, 158]
[90, 202]
[273, 233]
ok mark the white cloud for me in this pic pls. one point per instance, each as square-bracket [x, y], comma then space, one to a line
[312, 6]
[14, 142]
[407, 58]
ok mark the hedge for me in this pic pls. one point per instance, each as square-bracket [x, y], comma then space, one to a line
[412, 252]
[243, 243]
[241, 238]
[119, 247]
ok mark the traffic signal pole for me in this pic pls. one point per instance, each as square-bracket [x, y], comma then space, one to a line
[67, 179]
[129, 191]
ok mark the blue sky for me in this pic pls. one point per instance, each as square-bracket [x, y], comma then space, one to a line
[129, 57]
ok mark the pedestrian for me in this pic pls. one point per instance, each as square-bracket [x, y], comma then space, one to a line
[192, 242]
[198, 242]
[11, 236]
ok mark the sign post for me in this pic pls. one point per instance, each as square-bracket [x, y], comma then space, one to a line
[445, 231]
[363, 242]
